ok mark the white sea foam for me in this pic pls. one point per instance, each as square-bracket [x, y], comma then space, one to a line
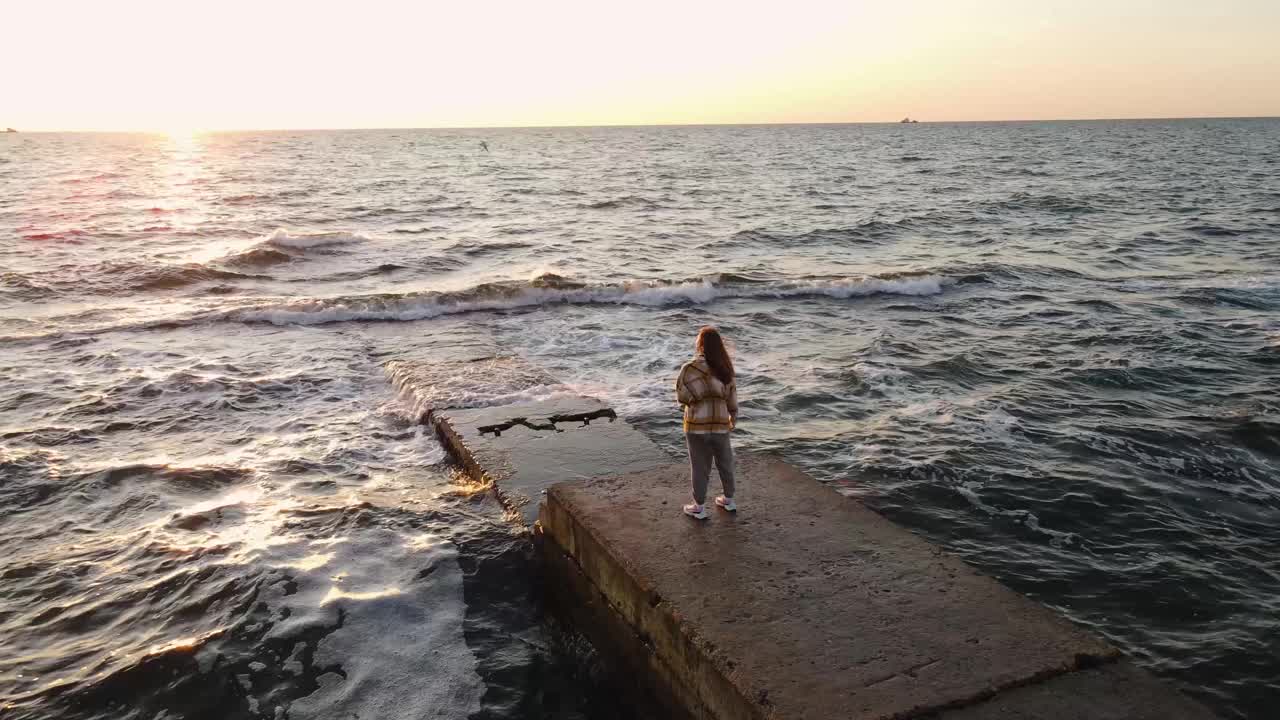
[320, 311]
[400, 643]
[626, 367]
[303, 241]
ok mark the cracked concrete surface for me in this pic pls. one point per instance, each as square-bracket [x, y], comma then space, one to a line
[512, 446]
[583, 417]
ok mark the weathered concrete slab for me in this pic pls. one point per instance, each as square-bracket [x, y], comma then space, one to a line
[524, 458]
[1118, 691]
[804, 604]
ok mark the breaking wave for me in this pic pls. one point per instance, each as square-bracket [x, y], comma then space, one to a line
[305, 241]
[540, 291]
[282, 246]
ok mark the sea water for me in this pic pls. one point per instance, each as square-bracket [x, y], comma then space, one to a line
[1053, 348]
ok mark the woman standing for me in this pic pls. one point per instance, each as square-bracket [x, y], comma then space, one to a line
[706, 389]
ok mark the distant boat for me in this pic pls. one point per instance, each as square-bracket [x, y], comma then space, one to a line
[908, 120]
[9, 130]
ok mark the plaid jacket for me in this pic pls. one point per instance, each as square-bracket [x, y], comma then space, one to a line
[709, 405]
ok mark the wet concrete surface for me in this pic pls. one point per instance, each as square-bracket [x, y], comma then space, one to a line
[525, 448]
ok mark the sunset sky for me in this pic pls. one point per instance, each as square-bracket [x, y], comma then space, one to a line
[175, 65]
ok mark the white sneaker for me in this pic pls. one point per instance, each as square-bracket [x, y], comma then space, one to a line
[727, 503]
[696, 511]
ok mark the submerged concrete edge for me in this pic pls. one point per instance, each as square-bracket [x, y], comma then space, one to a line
[457, 449]
[453, 444]
[629, 658]
[704, 680]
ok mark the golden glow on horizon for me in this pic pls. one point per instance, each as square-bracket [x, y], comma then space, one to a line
[161, 66]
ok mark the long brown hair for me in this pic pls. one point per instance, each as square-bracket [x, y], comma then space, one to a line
[711, 346]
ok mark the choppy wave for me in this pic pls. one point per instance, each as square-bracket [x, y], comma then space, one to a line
[177, 276]
[306, 241]
[511, 296]
[262, 198]
[383, 269]
[629, 201]
[283, 246]
[124, 277]
[257, 257]
[1072, 393]
[21, 286]
[73, 237]
[1051, 203]
[479, 249]
[115, 278]
[863, 232]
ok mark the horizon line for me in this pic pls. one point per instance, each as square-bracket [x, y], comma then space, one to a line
[156, 131]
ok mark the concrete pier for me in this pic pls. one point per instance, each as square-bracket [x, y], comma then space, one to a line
[804, 604]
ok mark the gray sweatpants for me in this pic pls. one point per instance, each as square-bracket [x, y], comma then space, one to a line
[703, 448]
